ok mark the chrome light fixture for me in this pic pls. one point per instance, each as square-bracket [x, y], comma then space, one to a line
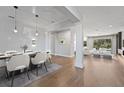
[15, 28]
[36, 25]
[33, 42]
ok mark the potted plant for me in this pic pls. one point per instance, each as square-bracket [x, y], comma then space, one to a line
[25, 47]
[47, 52]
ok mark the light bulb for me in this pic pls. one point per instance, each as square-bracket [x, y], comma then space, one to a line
[110, 25]
[15, 30]
[33, 45]
[36, 34]
[33, 39]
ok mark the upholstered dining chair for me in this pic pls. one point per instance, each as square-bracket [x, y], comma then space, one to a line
[38, 60]
[49, 57]
[18, 62]
[2, 63]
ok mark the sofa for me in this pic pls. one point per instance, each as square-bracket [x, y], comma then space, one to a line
[102, 52]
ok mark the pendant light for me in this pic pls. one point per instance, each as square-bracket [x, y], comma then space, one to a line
[36, 25]
[15, 28]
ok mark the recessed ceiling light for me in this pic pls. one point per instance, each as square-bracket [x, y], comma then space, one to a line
[33, 45]
[110, 25]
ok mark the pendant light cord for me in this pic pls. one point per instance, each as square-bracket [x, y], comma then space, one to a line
[15, 18]
[15, 7]
[36, 23]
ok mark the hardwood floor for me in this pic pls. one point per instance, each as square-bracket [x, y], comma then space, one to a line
[97, 72]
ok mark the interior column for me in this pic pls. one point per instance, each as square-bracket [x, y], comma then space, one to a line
[47, 41]
[79, 46]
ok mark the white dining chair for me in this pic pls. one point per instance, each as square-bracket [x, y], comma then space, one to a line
[49, 57]
[18, 62]
[38, 60]
[2, 62]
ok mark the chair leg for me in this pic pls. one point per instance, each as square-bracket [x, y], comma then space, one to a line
[45, 67]
[37, 71]
[13, 74]
[7, 74]
[41, 66]
[27, 73]
[50, 60]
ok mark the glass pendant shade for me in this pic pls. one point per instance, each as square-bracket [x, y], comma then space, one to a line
[15, 30]
[36, 33]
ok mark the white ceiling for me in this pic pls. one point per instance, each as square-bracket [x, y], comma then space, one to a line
[97, 20]
[48, 15]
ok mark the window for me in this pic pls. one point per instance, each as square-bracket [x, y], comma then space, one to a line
[102, 43]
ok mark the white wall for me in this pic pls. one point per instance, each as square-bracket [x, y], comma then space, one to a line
[122, 39]
[52, 43]
[47, 41]
[90, 41]
[113, 44]
[65, 49]
[13, 41]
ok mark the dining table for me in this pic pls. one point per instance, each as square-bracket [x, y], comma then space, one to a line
[6, 58]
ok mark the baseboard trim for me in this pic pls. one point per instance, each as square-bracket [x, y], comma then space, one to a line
[62, 55]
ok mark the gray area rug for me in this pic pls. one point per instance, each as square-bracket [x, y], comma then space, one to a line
[22, 80]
